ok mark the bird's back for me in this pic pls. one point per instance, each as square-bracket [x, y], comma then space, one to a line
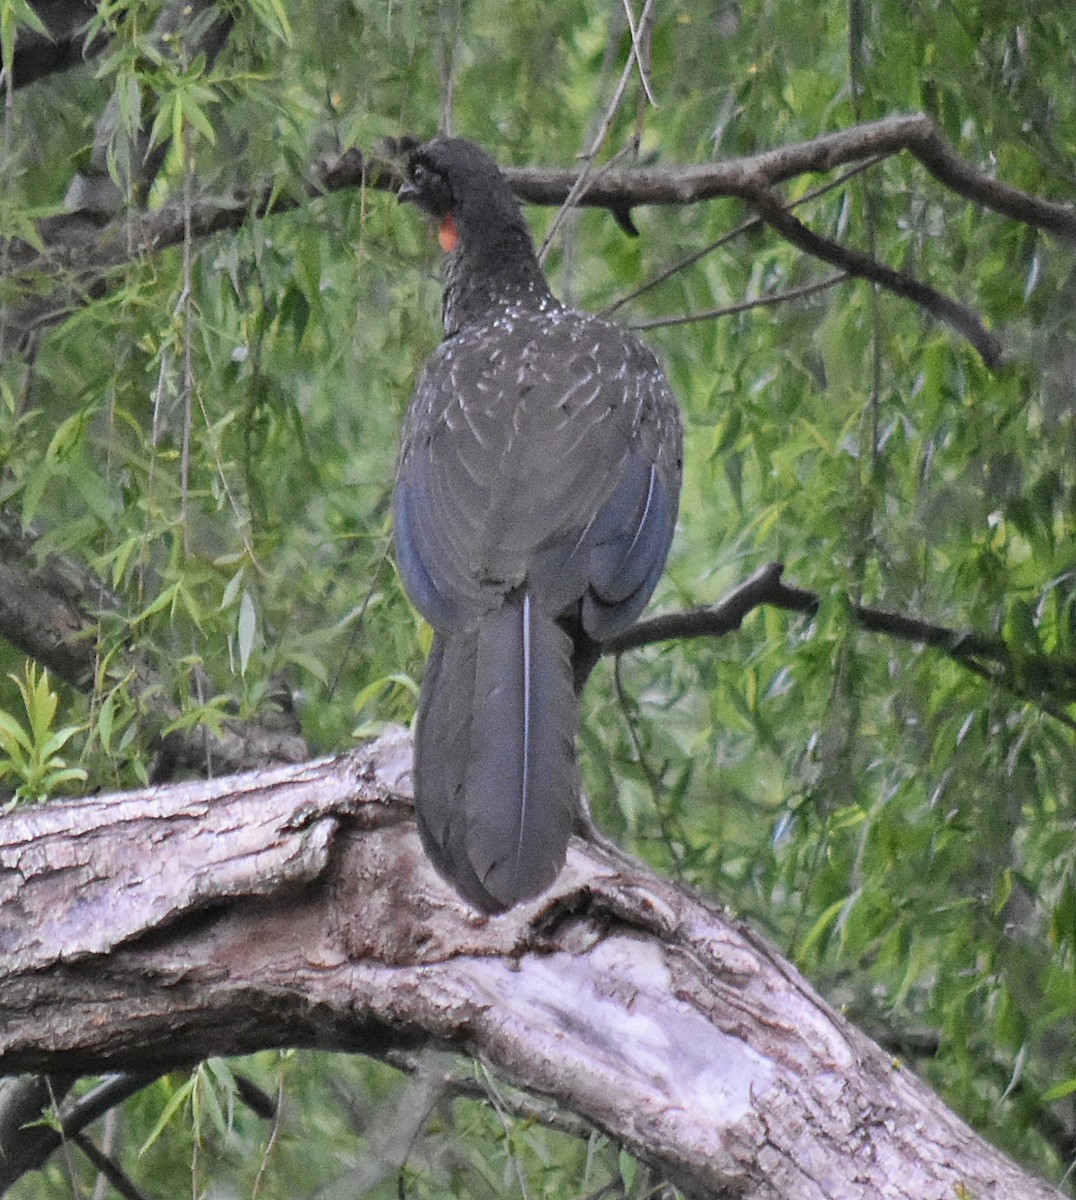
[519, 433]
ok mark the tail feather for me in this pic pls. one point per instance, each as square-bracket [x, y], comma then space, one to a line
[496, 783]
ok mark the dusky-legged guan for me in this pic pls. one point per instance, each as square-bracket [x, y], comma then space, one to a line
[536, 493]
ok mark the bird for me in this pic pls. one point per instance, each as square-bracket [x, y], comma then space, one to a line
[536, 493]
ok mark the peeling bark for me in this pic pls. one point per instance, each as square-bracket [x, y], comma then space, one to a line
[294, 907]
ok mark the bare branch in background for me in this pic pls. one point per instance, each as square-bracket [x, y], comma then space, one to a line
[80, 258]
[767, 301]
[61, 47]
[1036, 677]
[198, 27]
[914, 133]
[744, 227]
[855, 262]
[582, 181]
[25, 1143]
[47, 610]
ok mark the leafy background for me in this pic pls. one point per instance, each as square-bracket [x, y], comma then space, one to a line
[899, 826]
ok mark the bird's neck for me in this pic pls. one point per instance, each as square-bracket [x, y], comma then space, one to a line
[484, 278]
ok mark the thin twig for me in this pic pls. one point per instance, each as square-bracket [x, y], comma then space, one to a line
[358, 618]
[653, 778]
[747, 226]
[447, 39]
[645, 99]
[642, 51]
[502, 1112]
[582, 180]
[188, 339]
[274, 1134]
[710, 314]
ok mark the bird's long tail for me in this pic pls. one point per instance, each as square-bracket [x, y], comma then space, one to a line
[496, 783]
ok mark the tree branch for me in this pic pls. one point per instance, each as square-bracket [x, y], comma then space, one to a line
[43, 606]
[913, 132]
[26, 1143]
[989, 657]
[184, 28]
[111, 1170]
[64, 46]
[81, 257]
[295, 907]
[855, 262]
[44, 611]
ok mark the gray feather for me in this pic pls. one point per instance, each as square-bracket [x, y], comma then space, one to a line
[496, 782]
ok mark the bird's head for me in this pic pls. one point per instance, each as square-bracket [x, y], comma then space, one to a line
[462, 188]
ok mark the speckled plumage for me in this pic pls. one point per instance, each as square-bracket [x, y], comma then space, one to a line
[536, 494]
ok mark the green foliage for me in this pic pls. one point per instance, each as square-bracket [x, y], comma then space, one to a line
[30, 752]
[897, 823]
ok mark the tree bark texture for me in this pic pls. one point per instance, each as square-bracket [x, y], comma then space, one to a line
[294, 907]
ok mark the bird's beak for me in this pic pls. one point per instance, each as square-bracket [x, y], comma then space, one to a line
[408, 193]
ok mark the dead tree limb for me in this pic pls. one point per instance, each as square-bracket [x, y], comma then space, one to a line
[294, 907]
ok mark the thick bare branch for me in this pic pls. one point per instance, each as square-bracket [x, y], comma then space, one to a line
[42, 606]
[766, 586]
[745, 227]
[295, 907]
[62, 47]
[184, 27]
[942, 161]
[25, 1144]
[82, 258]
[914, 132]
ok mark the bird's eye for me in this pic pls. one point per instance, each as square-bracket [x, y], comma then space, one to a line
[420, 174]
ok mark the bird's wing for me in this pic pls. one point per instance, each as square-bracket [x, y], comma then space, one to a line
[619, 486]
[547, 455]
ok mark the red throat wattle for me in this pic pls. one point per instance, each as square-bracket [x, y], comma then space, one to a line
[448, 233]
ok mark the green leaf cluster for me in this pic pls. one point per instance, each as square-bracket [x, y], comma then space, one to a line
[30, 751]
